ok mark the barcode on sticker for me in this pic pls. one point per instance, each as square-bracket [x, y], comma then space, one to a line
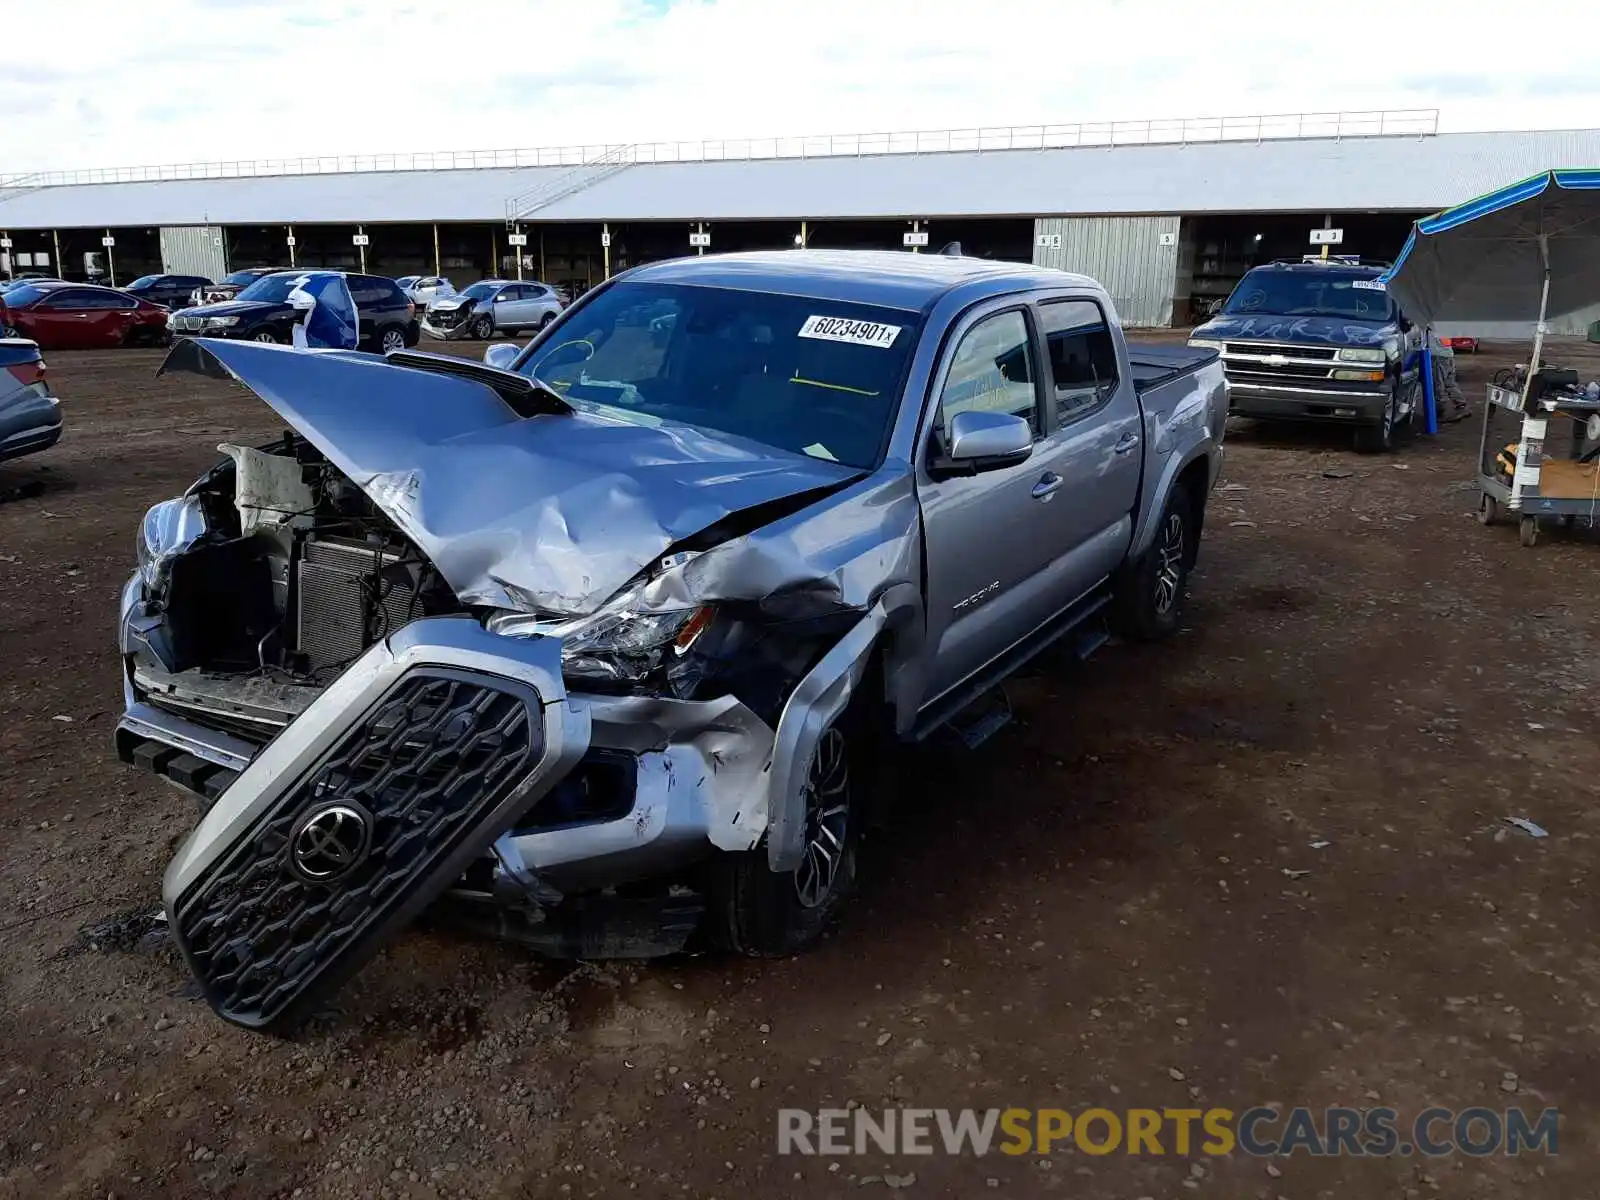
[1367, 285]
[857, 333]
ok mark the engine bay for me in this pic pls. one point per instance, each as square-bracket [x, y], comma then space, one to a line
[297, 573]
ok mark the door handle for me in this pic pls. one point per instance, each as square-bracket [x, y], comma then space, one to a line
[1047, 485]
[1126, 443]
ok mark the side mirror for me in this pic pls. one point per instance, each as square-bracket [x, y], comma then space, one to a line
[985, 441]
[501, 355]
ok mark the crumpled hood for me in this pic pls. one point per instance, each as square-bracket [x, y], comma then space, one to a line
[1324, 331]
[549, 513]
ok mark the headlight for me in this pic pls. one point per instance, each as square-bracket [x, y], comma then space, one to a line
[621, 646]
[1362, 355]
[221, 322]
[167, 530]
[1205, 344]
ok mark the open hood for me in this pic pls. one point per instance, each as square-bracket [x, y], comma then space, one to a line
[547, 513]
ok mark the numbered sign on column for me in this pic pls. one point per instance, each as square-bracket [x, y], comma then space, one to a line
[108, 241]
[516, 239]
[360, 239]
[699, 239]
[914, 239]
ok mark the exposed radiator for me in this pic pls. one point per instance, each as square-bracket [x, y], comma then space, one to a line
[350, 594]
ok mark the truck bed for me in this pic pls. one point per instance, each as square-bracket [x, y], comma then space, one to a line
[1155, 363]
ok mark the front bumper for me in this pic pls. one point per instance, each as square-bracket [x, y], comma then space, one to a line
[625, 788]
[451, 333]
[1295, 402]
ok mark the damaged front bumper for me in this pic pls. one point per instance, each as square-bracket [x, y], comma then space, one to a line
[458, 331]
[448, 760]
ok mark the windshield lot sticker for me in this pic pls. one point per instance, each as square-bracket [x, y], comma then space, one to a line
[857, 333]
[1367, 285]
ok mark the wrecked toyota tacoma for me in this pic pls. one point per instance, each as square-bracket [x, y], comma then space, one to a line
[596, 645]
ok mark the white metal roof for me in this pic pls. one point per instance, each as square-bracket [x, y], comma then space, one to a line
[1311, 175]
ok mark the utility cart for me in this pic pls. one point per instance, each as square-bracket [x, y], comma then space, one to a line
[1539, 456]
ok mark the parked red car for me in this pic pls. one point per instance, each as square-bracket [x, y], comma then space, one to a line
[1466, 345]
[77, 316]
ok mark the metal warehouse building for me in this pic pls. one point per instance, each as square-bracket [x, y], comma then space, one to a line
[1168, 214]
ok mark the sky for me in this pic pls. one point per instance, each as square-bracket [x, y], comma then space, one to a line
[106, 83]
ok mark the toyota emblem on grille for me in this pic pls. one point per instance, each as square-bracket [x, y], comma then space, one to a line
[330, 842]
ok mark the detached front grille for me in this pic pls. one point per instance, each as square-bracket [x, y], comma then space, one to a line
[375, 831]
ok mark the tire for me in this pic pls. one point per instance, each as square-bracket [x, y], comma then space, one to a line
[1147, 604]
[10, 331]
[1528, 531]
[483, 328]
[761, 914]
[1488, 509]
[265, 336]
[544, 321]
[391, 338]
[1379, 438]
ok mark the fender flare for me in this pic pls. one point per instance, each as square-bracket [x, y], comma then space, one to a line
[1174, 466]
[816, 702]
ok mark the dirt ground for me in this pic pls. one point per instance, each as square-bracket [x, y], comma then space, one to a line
[1265, 863]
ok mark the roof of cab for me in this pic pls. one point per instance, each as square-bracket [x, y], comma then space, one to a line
[890, 278]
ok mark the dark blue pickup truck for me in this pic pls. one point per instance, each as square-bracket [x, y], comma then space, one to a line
[1319, 341]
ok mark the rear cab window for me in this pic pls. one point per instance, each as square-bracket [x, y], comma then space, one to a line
[1081, 354]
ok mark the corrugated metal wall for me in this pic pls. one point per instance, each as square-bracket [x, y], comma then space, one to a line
[194, 250]
[1136, 258]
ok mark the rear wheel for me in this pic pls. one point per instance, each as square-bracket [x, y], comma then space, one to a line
[391, 338]
[10, 331]
[764, 914]
[1149, 594]
[264, 335]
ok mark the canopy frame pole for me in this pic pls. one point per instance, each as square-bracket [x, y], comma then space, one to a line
[1538, 330]
[1530, 447]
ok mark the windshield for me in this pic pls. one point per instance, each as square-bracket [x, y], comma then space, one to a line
[242, 277]
[143, 282]
[481, 291]
[1310, 294]
[810, 376]
[406, 281]
[272, 288]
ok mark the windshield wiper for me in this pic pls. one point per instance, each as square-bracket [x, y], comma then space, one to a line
[527, 396]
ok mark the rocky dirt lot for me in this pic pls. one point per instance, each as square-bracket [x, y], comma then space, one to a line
[1267, 863]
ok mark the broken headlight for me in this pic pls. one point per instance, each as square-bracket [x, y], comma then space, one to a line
[619, 647]
[167, 530]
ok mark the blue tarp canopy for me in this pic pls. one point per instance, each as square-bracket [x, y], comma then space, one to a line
[1490, 258]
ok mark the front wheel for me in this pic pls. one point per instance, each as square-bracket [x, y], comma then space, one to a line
[10, 331]
[758, 912]
[266, 336]
[483, 328]
[1148, 601]
[1379, 438]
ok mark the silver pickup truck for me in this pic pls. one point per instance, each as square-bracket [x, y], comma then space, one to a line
[594, 644]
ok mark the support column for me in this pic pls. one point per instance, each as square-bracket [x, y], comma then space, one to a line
[542, 276]
[289, 241]
[605, 246]
[437, 268]
[916, 227]
[111, 261]
[61, 267]
[804, 235]
[1327, 223]
[362, 247]
[494, 254]
[517, 249]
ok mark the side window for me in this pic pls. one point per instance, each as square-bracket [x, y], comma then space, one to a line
[992, 371]
[514, 292]
[1083, 356]
[100, 300]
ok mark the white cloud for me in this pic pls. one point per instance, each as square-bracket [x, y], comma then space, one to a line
[89, 83]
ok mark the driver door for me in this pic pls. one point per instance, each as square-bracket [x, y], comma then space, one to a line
[990, 538]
